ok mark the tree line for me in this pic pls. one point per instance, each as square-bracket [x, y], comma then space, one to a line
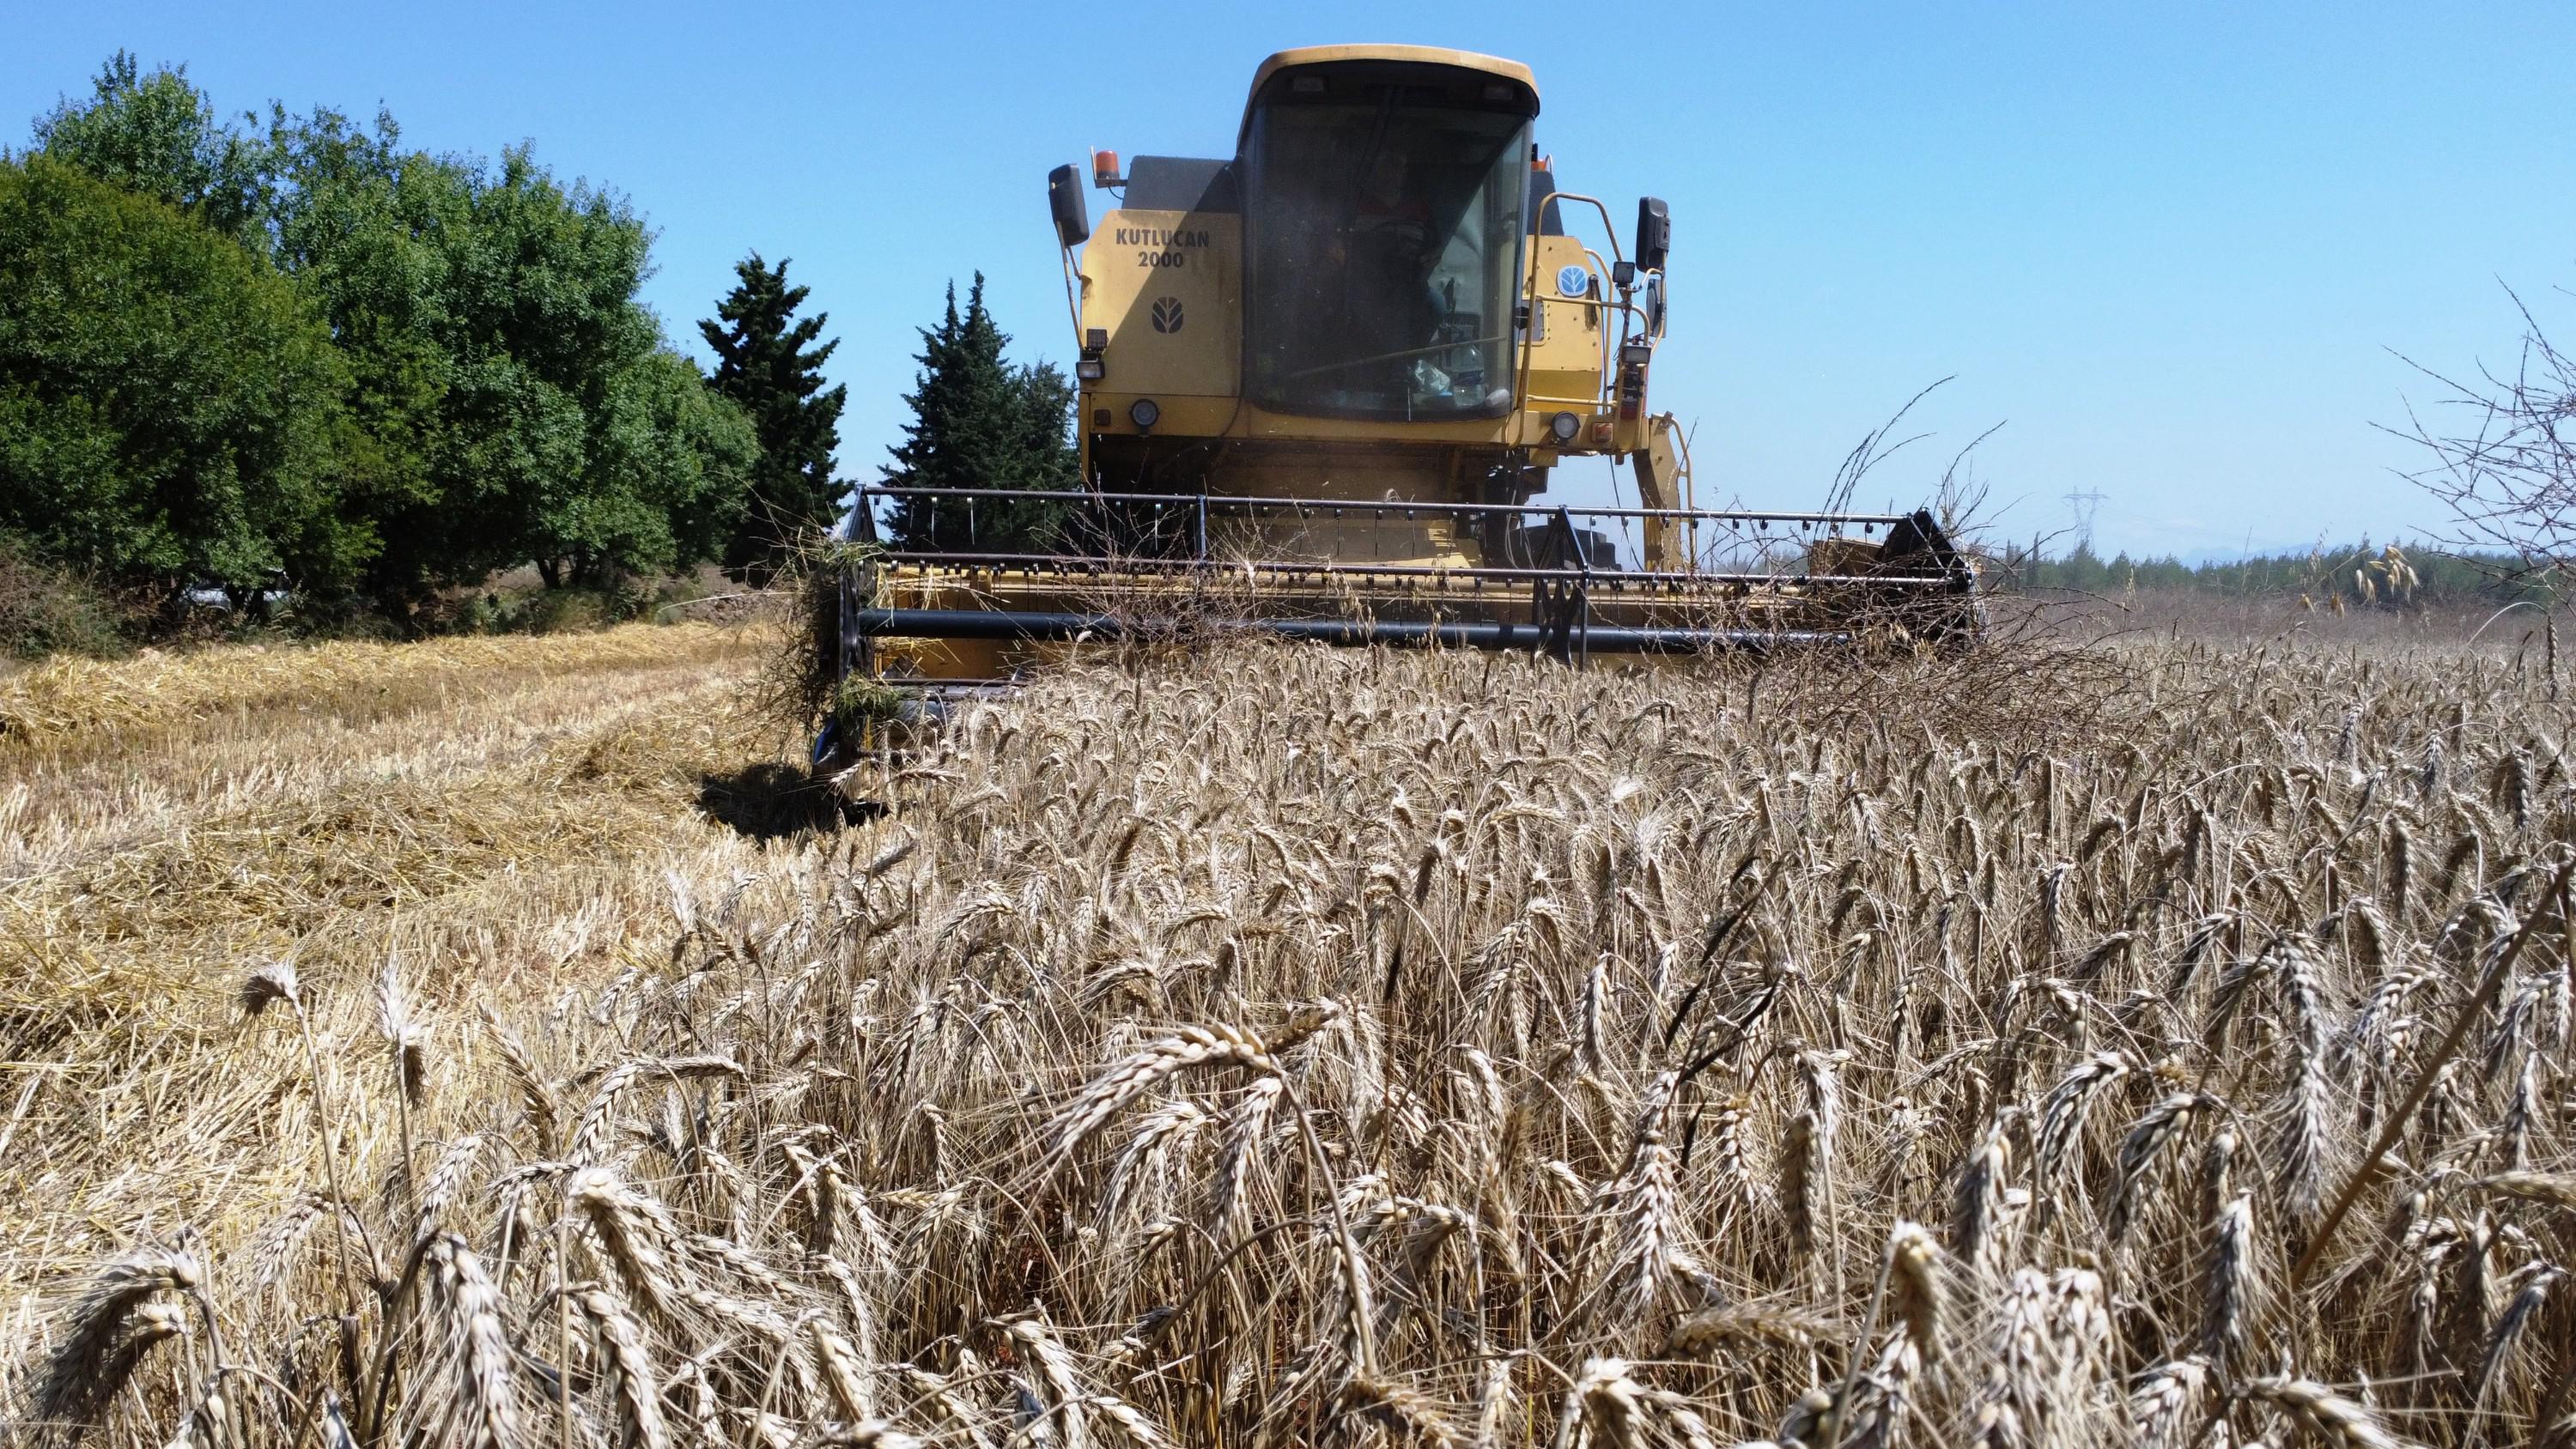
[2357, 571]
[293, 356]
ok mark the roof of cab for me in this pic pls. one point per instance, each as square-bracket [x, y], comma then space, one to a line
[1417, 54]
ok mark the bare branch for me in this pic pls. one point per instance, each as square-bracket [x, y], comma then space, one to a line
[2507, 474]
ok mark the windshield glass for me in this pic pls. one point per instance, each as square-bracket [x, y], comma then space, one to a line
[1385, 227]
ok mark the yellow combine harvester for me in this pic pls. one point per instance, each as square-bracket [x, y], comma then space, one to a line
[1321, 382]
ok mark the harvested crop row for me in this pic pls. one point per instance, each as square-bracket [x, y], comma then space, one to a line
[59, 817]
[66, 700]
[521, 837]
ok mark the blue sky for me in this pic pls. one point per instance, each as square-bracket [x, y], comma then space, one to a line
[2168, 245]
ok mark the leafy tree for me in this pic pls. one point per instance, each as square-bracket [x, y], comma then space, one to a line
[540, 321]
[503, 397]
[669, 463]
[157, 134]
[771, 366]
[363, 229]
[980, 423]
[525, 402]
[169, 409]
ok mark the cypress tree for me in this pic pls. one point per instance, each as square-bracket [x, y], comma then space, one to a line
[1045, 399]
[769, 362]
[977, 422]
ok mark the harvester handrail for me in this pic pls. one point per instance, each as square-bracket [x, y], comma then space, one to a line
[1395, 505]
[1067, 625]
[1615, 579]
[1608, 227]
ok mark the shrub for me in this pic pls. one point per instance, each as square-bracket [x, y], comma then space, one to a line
[48, 610]
[566, 611]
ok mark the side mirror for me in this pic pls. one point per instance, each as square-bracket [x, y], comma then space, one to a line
[1654, 233]
[1072, 213]
[1654, 307]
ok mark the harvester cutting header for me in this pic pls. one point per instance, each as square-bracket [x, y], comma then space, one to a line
[1321, 382]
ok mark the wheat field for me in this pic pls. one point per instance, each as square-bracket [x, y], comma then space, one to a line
[421, 1048]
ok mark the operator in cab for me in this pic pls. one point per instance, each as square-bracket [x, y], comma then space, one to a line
[1386, 211]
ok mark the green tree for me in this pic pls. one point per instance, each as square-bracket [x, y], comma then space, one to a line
[504, 397]
[770, 365]
[366, 231]
[978, 422]
[169, 409]
[539, 300]
[670, 463]
[1045, 405]
[525, 402]
[157, 135]
[503, 361]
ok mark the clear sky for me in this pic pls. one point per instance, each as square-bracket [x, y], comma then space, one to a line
[2168, 245]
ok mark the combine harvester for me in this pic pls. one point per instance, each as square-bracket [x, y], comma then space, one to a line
[1320, 384]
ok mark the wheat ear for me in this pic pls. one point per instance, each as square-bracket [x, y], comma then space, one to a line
[84, 1372]
[2330, 1414]
[630, 1372]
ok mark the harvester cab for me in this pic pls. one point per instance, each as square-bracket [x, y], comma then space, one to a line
[1322, 384]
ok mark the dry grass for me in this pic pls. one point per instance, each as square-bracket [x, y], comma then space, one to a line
[1281, 1046]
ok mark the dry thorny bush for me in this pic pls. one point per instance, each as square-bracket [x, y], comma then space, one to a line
[1288, 1046]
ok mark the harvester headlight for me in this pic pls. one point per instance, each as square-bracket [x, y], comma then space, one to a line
[1565, 426]
[1090, 369]
[1144, 412]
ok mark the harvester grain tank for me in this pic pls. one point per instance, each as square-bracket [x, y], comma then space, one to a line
[1323, 383]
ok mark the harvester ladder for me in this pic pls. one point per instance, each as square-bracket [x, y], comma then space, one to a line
[1561, 606]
